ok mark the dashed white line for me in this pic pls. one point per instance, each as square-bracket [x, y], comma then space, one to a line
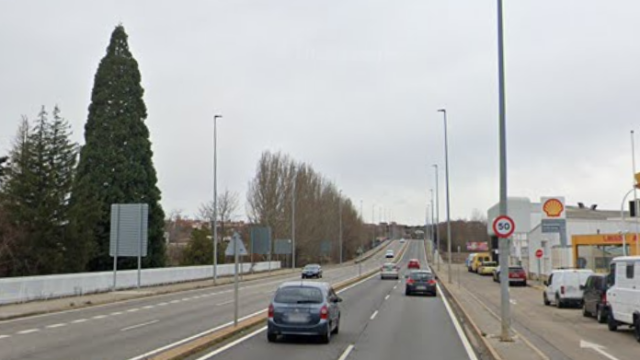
[4, 336]
[98, 317]
[148, 307]
[374, 315]
[30, 331]
[186, 299]
[133, 310]
[139, 325]
[224, 303]
[395, 287]
[163, 304]
[56, 326]
[174, 301]
[116, 313]
[78, 321]
[387, 297]
[346, 352]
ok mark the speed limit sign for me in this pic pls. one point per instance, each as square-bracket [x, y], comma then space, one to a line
[503, 226]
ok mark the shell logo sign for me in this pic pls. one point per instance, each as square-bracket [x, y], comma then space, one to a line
[553, 208]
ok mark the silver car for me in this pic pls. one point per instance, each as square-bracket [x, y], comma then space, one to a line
[390, 271]
[304, 308]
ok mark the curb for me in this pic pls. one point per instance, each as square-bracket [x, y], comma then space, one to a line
[197, 345]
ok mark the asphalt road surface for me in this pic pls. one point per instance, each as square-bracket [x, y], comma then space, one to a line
[126, 330]
[378, 323]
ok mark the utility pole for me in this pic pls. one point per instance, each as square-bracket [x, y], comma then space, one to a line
[214, 222]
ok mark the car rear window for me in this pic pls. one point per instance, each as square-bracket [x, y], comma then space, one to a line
[489, 263]
[421, 276]
[312, 267]
[298, 295]
[389, 267]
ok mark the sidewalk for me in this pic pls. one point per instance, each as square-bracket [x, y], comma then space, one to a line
[12, 311]
[486, 322]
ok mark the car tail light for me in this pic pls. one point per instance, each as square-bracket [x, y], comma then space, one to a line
[432, 282]
[604, 297]
[410, 282]
[562, 290]
[324, 312]
[271, 311]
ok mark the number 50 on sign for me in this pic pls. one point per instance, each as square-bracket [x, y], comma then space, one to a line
[503, 226]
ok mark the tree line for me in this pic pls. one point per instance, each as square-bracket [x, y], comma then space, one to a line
[55, 196]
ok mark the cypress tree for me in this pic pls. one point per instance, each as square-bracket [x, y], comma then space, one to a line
[116, 161]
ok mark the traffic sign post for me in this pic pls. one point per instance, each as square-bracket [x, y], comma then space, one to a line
[539, 254]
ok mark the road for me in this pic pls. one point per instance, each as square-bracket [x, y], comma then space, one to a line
[558, 333]
[378, 323]
[128, 329]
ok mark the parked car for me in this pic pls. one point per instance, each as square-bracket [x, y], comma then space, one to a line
[623, 295]
[564, 287]
[594, 298]
[468, 261]
[389, 254]
[312, 271]
[390, 271]
[478, 259]
[413, 264]
[420, 282]
[304, 308]
[402, 241]
[487, 268]
[517, 275]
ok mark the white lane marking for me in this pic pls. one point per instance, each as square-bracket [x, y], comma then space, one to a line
[174, 302]
[387, 297]
[186, 340]
[513, 301]
[116, 313]
[55, 326]
[30, 331]
[597, 348]
[231, 344]
[346, 352]
[139, 325]
[148, 307]
[4, 336]
[375, 313]
[133, 310]
[163, 304]
[79, 321]
[456, 325]
[186, 299]
[224, 303]
[395, 287]
[98, 317]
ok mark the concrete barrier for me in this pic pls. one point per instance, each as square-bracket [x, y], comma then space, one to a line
[29, 288]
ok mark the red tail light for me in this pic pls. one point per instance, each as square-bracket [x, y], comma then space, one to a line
[270, 311]
[410, 282]
[604, 297]
[432, 282]
[324, 312]
[562, 290]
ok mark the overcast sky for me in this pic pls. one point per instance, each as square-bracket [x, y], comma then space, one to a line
[351, 87]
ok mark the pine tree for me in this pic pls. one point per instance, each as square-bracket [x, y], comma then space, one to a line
[116, 161]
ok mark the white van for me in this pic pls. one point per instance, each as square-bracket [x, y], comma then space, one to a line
[623, 296]
[565, 287]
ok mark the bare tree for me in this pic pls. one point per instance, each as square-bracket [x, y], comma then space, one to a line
[228, 204]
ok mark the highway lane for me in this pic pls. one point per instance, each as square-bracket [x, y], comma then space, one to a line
[378, 322]
[125, 330]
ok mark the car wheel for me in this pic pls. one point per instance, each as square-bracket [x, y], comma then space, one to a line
[271, 337]
[524, 283]
[326, 337]
[545, 299]
[559, 303]
[636, 330]
[585, 313]
[600, 315]
[612, 324]
[407, 292]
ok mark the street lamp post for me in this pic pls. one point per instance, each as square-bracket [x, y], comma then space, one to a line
[214, 222]
[340, 223]
[293, 222]
[635, 192]
[437, 215]
[446, 167]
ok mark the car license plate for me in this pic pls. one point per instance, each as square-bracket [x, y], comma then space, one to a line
[421, 288]
[297, 318]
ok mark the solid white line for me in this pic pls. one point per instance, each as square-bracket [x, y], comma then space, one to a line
[346, 352]
[139, 325]
[387, 297]
[224, 303]
[374, 315]
[4, 336]
[232, 344]
[186, 340]
[23, 332]
[79, 321]
[56, 326]
[456, 325]
[98, 317]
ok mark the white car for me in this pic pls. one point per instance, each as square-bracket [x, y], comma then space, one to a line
[402, 241]
[390, 271]
[565, 287]
[390, 254]
[623, 296]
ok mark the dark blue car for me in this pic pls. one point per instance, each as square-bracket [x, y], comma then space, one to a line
[304, 308]
[421, 282]
[312, 271]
